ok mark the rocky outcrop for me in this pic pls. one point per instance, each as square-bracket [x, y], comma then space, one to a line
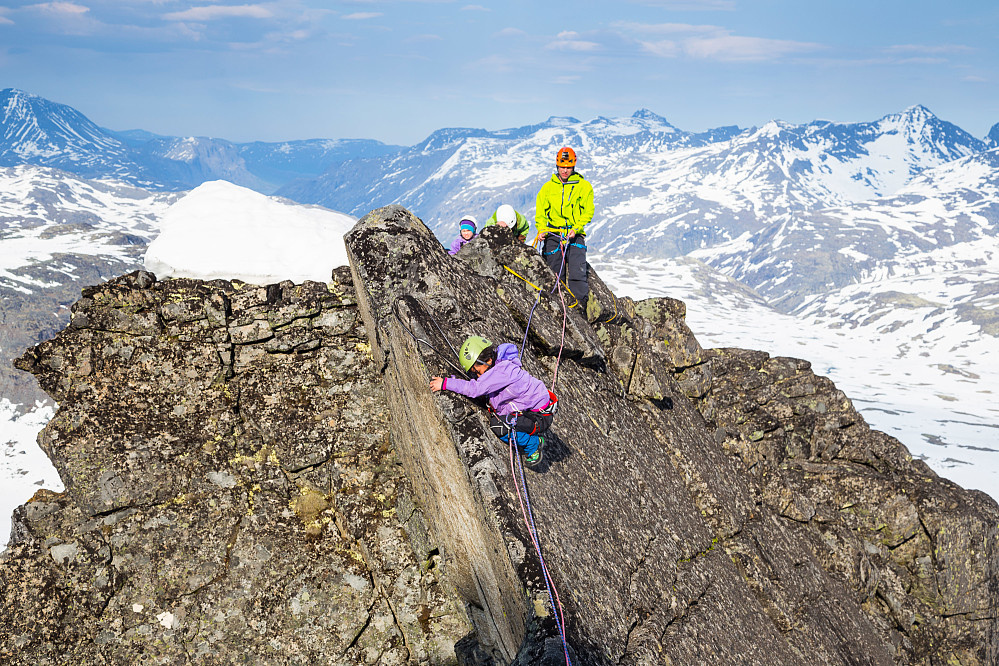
[231, 492]
[695, 507]
[248, 470]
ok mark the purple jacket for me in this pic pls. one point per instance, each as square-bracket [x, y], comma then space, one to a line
[457, 243]
[510, 388]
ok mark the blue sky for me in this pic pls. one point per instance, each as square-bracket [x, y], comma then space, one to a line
[397, 70]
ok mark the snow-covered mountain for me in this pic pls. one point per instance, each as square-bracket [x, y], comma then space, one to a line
[34, 130]
[44, 133]
[58, 233]
[659, 191]
[992, 138]
[800, 254]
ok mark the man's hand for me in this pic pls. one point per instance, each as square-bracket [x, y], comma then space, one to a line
[501, 223]
[436, 383]
[571, 234]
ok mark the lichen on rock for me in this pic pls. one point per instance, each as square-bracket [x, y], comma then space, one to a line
[229, 494]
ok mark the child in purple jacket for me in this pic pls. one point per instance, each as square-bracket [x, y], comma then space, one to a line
[465, 234]
[520, 403]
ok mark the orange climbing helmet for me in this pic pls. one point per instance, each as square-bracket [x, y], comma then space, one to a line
[565, 157]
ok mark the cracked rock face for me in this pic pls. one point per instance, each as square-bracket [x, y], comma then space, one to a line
[695, 506]
[231, 492]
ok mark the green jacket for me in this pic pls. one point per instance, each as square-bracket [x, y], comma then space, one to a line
[520, 227]
[562, 207]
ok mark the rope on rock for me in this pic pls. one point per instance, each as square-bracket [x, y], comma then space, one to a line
[418, 339]
[528, 513]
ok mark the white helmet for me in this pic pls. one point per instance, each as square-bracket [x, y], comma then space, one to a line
[506, 213]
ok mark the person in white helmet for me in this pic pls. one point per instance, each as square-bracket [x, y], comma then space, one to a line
[506, 216]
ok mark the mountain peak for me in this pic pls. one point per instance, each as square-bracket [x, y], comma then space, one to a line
[646, 114]
[561, 121]
[918, 111]
[992, 138]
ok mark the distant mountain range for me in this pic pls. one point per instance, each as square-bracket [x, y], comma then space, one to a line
[44, 133]
[659, 191]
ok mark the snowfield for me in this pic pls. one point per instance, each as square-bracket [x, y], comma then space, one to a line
[908, 364]
[221, 230]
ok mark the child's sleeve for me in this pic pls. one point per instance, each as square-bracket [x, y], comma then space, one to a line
[489, 382]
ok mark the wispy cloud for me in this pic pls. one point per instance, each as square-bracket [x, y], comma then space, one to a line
[511, 32]
[423, 38]
[664, 48]
[360, 16]
[215, 12]
[3, 19]
[666, 28]
[690, 5]
[570, 41]
[475, 8]
[59, 8]
[938, 49]
[709, 42]
[971, 78]
[736, 48]
[500, 64]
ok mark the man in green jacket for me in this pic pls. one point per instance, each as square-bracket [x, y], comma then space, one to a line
[564, 206]
[506, 216]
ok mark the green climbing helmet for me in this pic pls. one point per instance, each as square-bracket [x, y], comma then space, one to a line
[470, 350]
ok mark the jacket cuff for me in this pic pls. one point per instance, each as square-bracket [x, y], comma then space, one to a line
[444, 384]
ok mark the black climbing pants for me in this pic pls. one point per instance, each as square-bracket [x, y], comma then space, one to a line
[533, 423]
[573, 268]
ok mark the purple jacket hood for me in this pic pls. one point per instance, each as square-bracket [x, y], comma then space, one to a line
[508, 386]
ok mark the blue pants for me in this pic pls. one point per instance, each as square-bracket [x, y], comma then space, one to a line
[527, 443]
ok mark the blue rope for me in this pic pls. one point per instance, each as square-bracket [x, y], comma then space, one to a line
[544, 567]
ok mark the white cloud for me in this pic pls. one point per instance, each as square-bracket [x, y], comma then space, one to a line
[971, 78]
[709, 42]
[62, 8]
[736, 48]
[666, 28]
[475, 8]
[664, 48]
[360, 16]
[511, 32]
[3, 19]
[213, 12]
[569, 41]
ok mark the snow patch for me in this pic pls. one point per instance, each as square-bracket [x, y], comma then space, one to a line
[221, 230]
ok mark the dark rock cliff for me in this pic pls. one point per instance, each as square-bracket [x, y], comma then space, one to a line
[233, 492]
